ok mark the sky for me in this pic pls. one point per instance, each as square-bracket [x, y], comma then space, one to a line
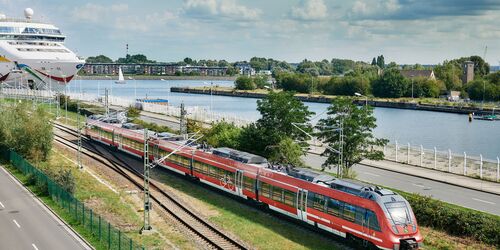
[404, 31]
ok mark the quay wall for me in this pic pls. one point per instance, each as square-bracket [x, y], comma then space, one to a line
[328, 99]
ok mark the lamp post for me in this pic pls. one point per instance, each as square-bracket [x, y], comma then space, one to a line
[366, 98]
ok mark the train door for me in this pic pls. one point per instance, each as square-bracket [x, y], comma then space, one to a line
[302, 205]
[239, 182]
[118, 140]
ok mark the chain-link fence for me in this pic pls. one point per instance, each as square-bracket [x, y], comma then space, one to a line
[462, 164]
[99, 229]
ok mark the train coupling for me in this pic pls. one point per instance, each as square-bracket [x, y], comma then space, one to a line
[408, 244]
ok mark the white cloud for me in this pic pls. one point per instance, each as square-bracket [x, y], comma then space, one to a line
[310, 10]
[94, 13]
[213, 9]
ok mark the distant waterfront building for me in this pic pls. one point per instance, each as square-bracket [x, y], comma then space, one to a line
[468, 73]
[245, 69]
[151, 69]
[411, 73]
[265, 72]
[453, 96]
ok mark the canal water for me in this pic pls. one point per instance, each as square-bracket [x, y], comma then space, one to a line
[430, 129]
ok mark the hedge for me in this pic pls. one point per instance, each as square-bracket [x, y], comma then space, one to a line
[455, 220]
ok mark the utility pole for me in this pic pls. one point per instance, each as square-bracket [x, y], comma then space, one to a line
[183, 125]
[106, 101]
[147, 202]
[79, 156]
[341, 149]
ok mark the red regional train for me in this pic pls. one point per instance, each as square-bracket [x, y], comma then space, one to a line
[358, 211]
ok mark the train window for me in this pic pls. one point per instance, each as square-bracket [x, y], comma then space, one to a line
[349, 212]
[360, 214]
[310, 199]
[319, 202]
[277, 194]
[334, 207]
[248, 183]
[290, 198]
[265, 189]
[371, 220]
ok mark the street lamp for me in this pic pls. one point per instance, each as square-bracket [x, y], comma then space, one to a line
[211, 98]
[360, 95]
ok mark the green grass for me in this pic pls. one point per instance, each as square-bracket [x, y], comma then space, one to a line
[259, 229]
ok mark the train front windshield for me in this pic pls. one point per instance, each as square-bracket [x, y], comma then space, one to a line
[399, 213]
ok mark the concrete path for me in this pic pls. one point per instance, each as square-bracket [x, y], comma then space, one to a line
[25, 223]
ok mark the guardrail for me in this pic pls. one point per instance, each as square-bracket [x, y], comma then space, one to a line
[99, 229]
[447, 161]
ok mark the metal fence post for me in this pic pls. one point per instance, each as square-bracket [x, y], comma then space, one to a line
[435, 158]
[465, 163]
[408, 154]
[83, 215]
[481, 167]
[119, 240]
[91, 222]
[498, 168]
[130, 244]
[109, 236]
[421, 155]
[449, 160]
[396, 151]
[99, 227]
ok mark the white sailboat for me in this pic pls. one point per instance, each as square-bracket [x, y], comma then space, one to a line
[121, 79]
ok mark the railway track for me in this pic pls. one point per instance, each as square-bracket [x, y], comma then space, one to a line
[199, 227]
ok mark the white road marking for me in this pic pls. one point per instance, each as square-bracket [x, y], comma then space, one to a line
[34, 246]
[489, 202]
[17, 224]
[372, 174]
[1, 205]
[418, 185]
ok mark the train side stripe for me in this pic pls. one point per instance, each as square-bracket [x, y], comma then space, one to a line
[361, 233]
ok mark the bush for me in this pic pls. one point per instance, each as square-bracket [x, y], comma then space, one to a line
[302, 83]
[133, 112]
[455, 220]
[245, 83]
[66, 180]
[392, 84]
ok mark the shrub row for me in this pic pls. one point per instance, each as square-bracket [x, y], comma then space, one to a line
[455, 220]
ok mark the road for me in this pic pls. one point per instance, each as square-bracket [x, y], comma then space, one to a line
[465, 197]
[25, 223]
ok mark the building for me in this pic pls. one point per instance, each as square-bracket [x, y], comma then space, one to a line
[412, 73]
[245, 69]
[151, 69]
[453, 96]
[468, 72]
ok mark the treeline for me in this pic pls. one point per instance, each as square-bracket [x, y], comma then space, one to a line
[388, 82]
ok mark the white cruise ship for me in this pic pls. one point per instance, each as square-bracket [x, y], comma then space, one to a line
[33, 55]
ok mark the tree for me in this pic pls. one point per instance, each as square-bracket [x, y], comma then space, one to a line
[244, 83]
[450, 73]
[391, 84]
[223, 134]
[358, 139]
[374, 61]
[188, 61]
[279, 111]
[381, 61]
[288, 152]
[480, 88]
[99, 59]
